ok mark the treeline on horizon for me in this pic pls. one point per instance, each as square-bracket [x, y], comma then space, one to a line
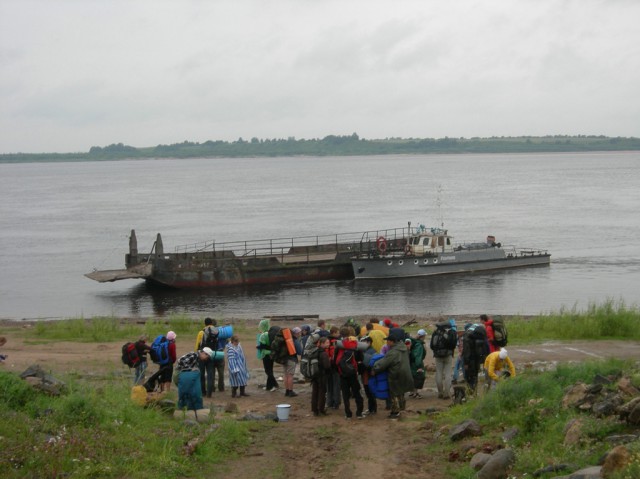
[334, 145]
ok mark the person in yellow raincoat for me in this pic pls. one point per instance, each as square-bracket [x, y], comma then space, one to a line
[495, 365]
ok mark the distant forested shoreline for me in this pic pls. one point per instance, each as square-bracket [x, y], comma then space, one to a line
[333, 145]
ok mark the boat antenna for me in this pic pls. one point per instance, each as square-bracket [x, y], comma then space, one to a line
[439, 204]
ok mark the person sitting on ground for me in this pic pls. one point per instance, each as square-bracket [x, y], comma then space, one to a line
[238, 372]
[188, 369]
[396, 362]
[494, 367]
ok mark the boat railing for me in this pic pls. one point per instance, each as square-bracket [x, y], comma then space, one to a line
[302, 245]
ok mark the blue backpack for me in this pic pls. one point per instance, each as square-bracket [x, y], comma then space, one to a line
[160, 351]
[379, 384]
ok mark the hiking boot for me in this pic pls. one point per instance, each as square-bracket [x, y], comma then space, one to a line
[274, 388]
[359, 416]
[394, 415]
[292, 394]
[287, 393]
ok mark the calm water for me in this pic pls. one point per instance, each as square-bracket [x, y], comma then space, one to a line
[59, 221]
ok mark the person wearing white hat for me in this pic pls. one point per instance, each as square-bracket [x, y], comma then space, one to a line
[188, 370]
[495, 366]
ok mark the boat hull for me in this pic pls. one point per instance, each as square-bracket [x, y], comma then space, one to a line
[186, 273]
[447, 263]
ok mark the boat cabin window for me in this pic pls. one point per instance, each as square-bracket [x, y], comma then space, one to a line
[425, 242]
[448, 241]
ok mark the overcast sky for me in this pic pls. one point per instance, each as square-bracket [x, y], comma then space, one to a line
[75, 74]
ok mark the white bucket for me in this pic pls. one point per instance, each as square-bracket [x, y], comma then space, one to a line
[282, 411]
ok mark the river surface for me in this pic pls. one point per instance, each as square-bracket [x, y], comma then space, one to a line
[61, 220]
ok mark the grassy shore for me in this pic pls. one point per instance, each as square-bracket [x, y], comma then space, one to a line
[93, 430]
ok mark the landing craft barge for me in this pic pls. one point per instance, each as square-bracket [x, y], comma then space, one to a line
[247, 263]
[430, 252]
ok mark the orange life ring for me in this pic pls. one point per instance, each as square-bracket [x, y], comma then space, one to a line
[381, 244]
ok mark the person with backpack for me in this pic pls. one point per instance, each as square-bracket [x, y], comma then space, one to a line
[443, 344]
[334, 395]
[367, 355]
[417, 353]
[396, 362]
[264, 353]
[218, 365]
[475, 349]
[495, 365]
[163, 353]
[319, 380]
[238, 371]
[487, 322]
[207, 338]
[292, 362]
[347, 358]
[188, 370]
[142, 348]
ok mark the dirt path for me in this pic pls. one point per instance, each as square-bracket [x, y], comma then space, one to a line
[306, 446]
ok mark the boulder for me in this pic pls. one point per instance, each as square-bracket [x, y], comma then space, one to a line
[497, 467]
[43, 381]
[634, 415]
[592, 472]
[626, 388]
[510, 433]
[574, 396]
[466, 428]
[231, 408]
[600, 379]
[552, 468]
[573, 432]
[479, 460]
[621, 438]
[608, 406]
[617, 458]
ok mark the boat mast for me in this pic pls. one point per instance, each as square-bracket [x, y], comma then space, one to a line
[439, 205]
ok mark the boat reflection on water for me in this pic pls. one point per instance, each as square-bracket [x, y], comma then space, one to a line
[448, 294]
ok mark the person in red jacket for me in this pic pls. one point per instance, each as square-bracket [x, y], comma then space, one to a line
[487, 322]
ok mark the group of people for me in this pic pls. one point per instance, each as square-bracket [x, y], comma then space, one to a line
[195, 372]
[378, 361]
